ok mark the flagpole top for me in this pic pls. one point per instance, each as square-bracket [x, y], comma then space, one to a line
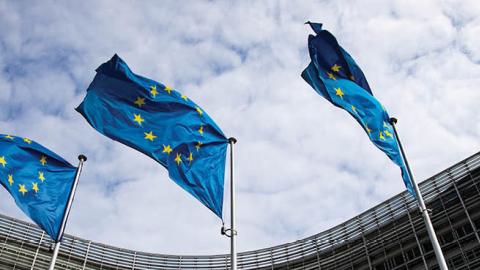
[232, 140]
[82, 158]
[393, 120]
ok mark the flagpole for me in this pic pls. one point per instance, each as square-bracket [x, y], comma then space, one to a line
[81, 159]
[233, 232]
[421, 204]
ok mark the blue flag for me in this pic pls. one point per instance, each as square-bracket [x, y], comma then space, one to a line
[39, 181]
[160, 122]
[334, 75]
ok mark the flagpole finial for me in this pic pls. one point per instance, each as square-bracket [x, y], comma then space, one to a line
[232, 140]
[393, 120]
[82, 158]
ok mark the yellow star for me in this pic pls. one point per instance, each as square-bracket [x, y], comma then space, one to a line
[43, 160]
[27, 140]
[199, 144]
[3, 161]
[167, 149]
[354, 108]
[331, 76]
[138, 118]
[139, 102]
[22, 189]
[184, 97]
[199, 110]
[149, 136]
[153, 90]
[41, 176]
[10, 179]
[339, 92]
[190, 157]
[200, 130]
[388, 134]
[35, 187]
[168, 89]
[368, 130]
[336, 68]
[9, 137]
[382, 137]
[178, 159]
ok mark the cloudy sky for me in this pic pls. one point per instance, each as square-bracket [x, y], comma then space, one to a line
[302, 165]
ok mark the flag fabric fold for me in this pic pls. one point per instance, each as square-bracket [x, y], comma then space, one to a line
[333, 74]
[162, 123]
[39, 181]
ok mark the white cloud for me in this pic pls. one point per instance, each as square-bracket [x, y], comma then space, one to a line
[298, 157]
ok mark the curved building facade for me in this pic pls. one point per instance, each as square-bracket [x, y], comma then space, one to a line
[391, 235]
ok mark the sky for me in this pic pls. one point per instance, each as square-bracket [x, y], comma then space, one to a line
[302, 165]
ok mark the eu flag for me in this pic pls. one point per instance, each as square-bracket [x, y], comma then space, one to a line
[162, 123]
[334, 75]
[39, 181]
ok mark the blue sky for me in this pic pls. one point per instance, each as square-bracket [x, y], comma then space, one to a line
[302, 164]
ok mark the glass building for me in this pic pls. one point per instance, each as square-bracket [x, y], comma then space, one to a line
[391, 235]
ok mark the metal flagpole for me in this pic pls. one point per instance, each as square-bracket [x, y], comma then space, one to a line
[81, 159]
[233, 232]
[421, 204]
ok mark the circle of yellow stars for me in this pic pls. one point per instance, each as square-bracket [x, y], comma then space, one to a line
[149, 135]
[383, 135]
[23, 188]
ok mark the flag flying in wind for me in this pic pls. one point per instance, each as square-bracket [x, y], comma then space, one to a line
[39, 181]
[334, 75]
[162, 123]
